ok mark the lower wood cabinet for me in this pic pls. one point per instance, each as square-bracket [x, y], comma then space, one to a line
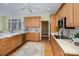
[17, 41]
[6, 46]
[9, 44]
[33, 36]
[57, 51]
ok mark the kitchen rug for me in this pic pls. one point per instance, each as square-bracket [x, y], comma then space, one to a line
[31, 49]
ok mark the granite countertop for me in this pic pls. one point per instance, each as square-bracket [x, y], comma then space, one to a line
[67, 46]
[10, 34]
[32, 31]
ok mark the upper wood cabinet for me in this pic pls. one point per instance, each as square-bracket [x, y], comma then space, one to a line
[53, 22]
[71, 12]
[61, 12]
[66, 11]
[27, 22]
[32, 21]
[69, 15]
[76, 15]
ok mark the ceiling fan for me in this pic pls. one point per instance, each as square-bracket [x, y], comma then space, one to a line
[28, 7]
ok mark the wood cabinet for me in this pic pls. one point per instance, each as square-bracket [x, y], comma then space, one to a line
[76, 15]
[62, 12]
[67, 10]
[69, 17]
[32, 21]
[27, 22]
[57, 51]
[9, 44]
[71, 12]
[6, 46]
[17, 41]
[53, 22]
[33, 36]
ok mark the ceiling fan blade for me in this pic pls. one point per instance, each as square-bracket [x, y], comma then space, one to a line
[30, 10]
[22, 9]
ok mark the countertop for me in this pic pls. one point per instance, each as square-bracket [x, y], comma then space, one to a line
[10, 34]
[67, 46]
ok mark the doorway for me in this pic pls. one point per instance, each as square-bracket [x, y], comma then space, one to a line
[45, 29]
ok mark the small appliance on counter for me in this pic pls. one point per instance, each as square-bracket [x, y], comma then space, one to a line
[76, 39]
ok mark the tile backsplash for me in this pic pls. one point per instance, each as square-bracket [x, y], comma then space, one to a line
[33, 29]
[69, 32]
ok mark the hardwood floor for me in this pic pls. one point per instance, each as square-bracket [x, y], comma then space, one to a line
[47, 52]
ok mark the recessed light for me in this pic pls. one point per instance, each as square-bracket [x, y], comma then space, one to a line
[48, 9]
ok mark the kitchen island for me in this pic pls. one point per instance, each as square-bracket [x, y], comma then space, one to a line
[63, 47]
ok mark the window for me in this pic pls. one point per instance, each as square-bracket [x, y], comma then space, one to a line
[14, 24]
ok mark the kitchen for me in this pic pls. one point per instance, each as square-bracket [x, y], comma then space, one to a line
[22, 31]
[20, 28]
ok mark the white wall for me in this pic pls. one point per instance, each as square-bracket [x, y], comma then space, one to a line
[45, 17]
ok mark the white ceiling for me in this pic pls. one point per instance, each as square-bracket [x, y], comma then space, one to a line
[37, 8]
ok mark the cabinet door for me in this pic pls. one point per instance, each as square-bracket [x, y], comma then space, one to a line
[53, 23]
[37, 22]
[6, 45]
[33, 36]
[28, 36]
[76, 15]
[56, 48]
[27, 22]
[69, 16]
[36, 36]
[17, 40]
[32, 22]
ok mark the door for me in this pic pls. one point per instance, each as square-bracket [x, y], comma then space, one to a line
[45, 28]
